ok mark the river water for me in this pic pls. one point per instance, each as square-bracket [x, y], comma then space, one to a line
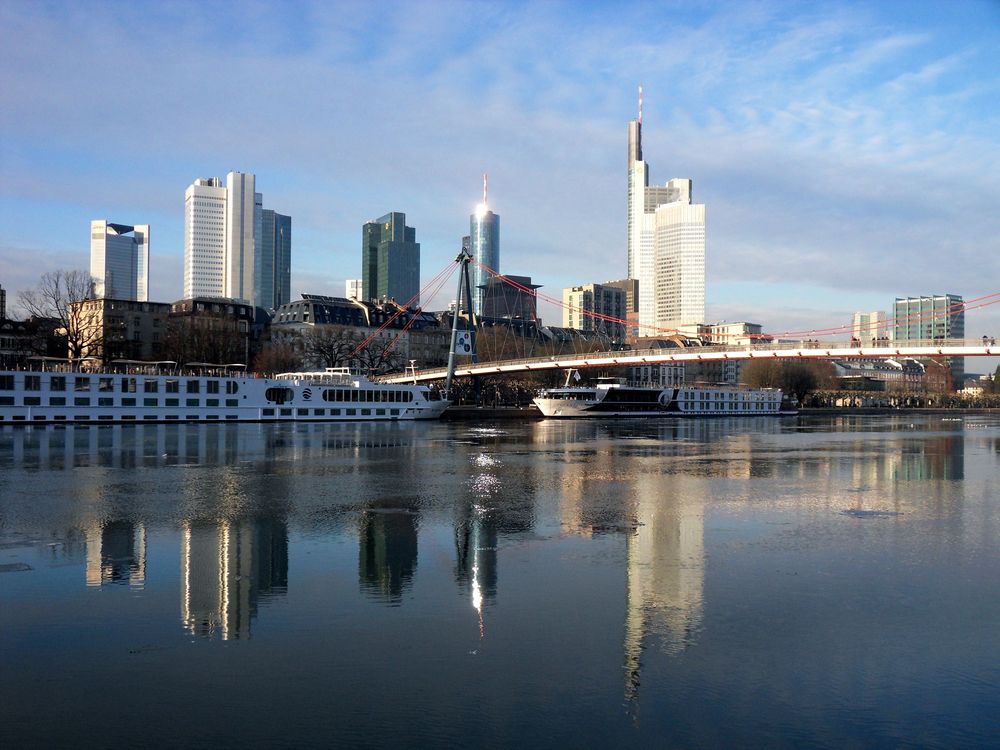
[796, 582]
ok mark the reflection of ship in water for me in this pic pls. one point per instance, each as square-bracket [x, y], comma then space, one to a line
[227, 569]
[387, 551]
[116, 554]
[665, 569]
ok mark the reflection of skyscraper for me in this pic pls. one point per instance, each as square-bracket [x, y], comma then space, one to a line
[226, 567]
[116, 553]
[387, 554]
[666, 568]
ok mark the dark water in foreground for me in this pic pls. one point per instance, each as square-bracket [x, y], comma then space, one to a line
[732, 582]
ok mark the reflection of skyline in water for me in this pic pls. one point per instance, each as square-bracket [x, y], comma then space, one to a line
[116, 553]
[387, 552]
[227, 568]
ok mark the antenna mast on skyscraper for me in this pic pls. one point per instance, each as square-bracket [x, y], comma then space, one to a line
[640, 104]
[485, 202]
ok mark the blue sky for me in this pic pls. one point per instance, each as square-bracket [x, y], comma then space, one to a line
[847, 152]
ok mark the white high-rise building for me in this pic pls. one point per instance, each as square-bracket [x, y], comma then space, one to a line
[205, 239]
[666, 250]
[223, 234]
[119, 260]
[679, 275]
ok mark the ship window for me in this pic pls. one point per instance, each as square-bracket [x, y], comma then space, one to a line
[232, 402]
[32, 382]
[105, 401]
[352, 412]
[151, 386]
[57, 401]
[191, 402]
[81, 384]
[128, 402]
[105, 384]
[193, 386]
[173, 386]
[149, 402]
[212, 386]
[286, 412]
[172, 402]
[366, 412]
[211, 402]
[57, 383]
[128, 385]
[32, 401]
[319, 412]
[268, 412]
[279, 395]
[232, 386]
[6, 382]
[81, 401]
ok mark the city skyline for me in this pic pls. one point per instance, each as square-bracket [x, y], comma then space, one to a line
[848, 152]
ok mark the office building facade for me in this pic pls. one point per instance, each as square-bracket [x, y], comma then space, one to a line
[665, 249]
[505, 300]
[589, 307]
[484, 246]
[933, 319]
[273, 260]
[119, 260]
[353, 288]
[866, 326]
[227, 253]
[390, 260]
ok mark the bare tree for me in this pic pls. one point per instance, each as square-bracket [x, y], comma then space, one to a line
[57, 298]
[277, 356]
[337, 346]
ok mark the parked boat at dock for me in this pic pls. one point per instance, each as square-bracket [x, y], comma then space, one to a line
[145, 392]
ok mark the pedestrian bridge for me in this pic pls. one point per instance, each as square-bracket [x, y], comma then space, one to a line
[713, 353]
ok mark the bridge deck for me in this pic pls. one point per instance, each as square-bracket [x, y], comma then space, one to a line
[823, 350]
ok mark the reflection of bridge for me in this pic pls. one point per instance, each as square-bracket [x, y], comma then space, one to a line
[713, 353]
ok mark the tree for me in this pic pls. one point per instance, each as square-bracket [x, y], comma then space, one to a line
[277, 357]
[795, 377]
[337, 346]
[57, 297]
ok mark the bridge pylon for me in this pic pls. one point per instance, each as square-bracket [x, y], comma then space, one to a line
[464, 290]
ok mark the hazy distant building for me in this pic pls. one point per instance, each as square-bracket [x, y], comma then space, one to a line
[504, 300]
[596, 307]
[226, 250]
[273, 261]
[390, 260]
[665, 245]
[934, 318]
[870, 325]
[353, 289]
[119, 260]
[484, 245]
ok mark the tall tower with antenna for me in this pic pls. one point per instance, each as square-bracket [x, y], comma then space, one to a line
[484, 245]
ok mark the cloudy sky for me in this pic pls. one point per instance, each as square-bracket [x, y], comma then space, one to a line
[847, 152]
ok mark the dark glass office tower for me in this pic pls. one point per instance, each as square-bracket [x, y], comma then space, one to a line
[273, 261]
[390, 260]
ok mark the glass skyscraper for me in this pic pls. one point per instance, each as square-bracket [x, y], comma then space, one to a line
[484, 245]
[935, 318]
[390, 260]
[273, 261]
[119, 260]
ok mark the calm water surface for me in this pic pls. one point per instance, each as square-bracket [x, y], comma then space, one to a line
[829, 582]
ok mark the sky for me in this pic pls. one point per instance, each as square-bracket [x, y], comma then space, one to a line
[847, 153]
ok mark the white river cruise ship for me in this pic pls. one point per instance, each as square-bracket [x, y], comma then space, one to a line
[206, 393]
[609, 398]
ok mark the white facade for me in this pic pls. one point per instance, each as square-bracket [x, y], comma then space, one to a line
[679, 290]
[205, 239]
[870, 325]
[222, 229]
[353, 288]
[119, 260]
[666, 250]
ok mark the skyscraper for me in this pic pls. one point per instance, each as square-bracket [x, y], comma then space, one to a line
[242, 205]
[587, 308]
[665, 252]
[226, 250]
[680, 259]
[205, 238]
[272, 260]
[933, 318]
[119, 260]
[870, 325]
[390, 260]
[484, 245]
